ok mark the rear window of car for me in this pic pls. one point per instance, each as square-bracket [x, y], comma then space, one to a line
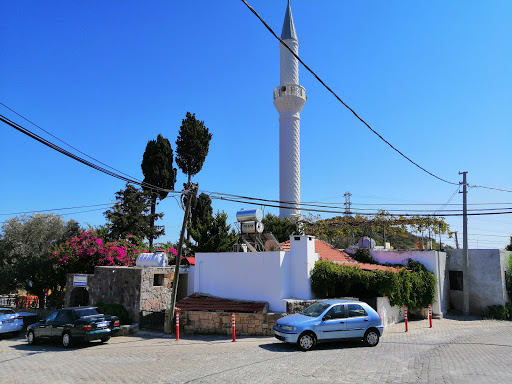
[355, 310]
[7, 312]
[81, 313]
[315, 310]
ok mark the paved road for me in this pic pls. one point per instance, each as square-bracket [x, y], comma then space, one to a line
[454, 351]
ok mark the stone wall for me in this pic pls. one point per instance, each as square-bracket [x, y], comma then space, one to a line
[116, 285]
[219, 323]
[155, 294]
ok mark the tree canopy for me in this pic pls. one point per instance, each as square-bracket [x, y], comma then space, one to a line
[158, 172]
[282, 229]
[212, 235]
[192, 145]
[25, 245]
[130, 215]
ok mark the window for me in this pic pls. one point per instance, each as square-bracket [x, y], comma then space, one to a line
[158, 279]
[337, 312]
[456, 281]
[65, 317]
[355, 310]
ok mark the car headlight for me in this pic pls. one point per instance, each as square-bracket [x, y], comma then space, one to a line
[289, 328]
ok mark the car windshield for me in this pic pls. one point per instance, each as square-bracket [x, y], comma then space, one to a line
[315, 310]
[6, 312]
[86, 312]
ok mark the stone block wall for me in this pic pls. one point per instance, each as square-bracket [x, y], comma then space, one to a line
[155, 292]
[219, 323]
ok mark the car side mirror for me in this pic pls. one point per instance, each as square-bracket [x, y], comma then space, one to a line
[327, 317]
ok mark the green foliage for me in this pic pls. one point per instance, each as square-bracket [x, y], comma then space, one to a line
[508, 278]
[158, 171]
[212, 235]
[414, 289]
[498, 312]
[344, 231]
[363, 256]
[192, 145]
[115, 310]
[130, 215]
[25, 245]
[282, 229]
[157, 166]
[200, 208]
[509, 247]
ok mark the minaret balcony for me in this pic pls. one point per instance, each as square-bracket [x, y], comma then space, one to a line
[290, 90]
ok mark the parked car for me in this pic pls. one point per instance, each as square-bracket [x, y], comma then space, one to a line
[74, 324]
[330, 320]
[10, 321]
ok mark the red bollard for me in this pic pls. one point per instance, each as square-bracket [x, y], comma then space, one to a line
[405, 314]
[430, 315]
[177, 326]
[233, 325]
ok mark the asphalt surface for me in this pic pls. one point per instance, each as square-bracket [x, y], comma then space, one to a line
[455, 350]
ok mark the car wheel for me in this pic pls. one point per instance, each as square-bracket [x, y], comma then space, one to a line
[66, 339]
[371, 337]
[306, 341]
[31, 338]
[105, 339]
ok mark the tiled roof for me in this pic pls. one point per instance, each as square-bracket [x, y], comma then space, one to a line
[190, 260]
[197, 302]
[327, 252]
[373, 267]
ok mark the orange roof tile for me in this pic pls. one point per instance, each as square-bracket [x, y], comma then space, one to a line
[198, 302]
[327, 252]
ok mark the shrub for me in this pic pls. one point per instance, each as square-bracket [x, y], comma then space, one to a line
[498, 312]
[363, 255]
[115, 310]
[414, 289]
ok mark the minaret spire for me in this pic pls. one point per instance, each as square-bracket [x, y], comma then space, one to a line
[289, 99]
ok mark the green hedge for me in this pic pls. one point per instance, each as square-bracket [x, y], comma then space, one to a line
[414, 288]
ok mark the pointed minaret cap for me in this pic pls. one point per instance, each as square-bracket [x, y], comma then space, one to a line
[288, 32]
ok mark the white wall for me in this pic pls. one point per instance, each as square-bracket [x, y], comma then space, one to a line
[389, 315]
[258, 276]
[434, 261]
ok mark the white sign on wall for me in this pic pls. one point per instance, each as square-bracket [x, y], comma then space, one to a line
[80, 281]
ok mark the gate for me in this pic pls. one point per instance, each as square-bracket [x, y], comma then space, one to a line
[152, 320]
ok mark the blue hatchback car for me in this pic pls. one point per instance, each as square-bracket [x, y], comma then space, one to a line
[330, 320]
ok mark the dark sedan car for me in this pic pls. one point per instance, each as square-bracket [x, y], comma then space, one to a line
[74, 324]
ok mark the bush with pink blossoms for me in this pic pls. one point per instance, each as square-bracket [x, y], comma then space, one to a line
[81, 254]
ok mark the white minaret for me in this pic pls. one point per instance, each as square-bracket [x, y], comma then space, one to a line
[289, 98]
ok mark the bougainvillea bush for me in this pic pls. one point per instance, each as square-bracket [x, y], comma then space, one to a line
[82, 253]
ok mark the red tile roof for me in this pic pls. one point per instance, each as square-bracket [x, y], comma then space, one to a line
[190, 261]
[327, 252]
[198, 302]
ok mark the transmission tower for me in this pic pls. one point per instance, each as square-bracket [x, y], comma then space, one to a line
[347, 203]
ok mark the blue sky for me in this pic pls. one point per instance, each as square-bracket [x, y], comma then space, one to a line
[432, 77]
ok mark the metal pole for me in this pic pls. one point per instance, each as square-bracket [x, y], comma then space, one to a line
[465, 258]
[456, 240]
[191, 191]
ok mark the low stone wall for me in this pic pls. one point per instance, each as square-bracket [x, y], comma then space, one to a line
[219, 323]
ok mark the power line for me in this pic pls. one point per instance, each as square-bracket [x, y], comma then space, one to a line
[340, 100]
[69, 145]
[79, 159]
[351, 110]
[52, 210]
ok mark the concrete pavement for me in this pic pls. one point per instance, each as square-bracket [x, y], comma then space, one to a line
[456, 350]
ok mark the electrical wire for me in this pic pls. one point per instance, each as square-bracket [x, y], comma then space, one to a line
[69, 145]
[52, 210]
[340, 100]
[79, 159]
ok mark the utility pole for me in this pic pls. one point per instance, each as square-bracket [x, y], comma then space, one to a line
[457, 240]
[465, 257]
[190, 191]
